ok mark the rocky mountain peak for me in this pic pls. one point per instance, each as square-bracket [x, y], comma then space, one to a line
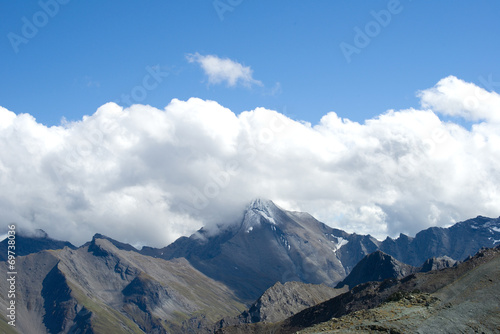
[263, 206]
[258, 211]
[261, 203]
[438, 263]
[376, 266]
[117, 244]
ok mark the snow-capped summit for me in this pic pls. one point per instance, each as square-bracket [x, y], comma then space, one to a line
[257, 210]
[261, 203]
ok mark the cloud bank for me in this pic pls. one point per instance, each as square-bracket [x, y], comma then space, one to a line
[147, 176]
[220, 70]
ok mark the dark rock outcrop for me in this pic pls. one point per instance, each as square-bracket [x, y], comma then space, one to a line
[437, 263]
[376, 266]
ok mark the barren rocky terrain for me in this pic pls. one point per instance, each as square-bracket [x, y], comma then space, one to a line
[461, 299]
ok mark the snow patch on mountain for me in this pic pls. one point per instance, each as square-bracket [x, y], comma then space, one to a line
[267, 217]
[257, 210]
[340, 242]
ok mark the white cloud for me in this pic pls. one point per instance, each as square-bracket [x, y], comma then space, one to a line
[220, 70]
[145, 175]
[454, 97]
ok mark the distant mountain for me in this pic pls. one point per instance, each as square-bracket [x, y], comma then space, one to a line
[271, 245]
[376, 266]
[26, 244]
[458, 241]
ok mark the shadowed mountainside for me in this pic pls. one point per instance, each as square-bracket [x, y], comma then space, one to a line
[376, 266]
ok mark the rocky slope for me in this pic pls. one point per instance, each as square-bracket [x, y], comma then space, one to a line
[282, 301]
[460, 299]
[470, 304]
[99, 288]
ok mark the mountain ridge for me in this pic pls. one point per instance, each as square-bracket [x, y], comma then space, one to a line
[271, 244]
[194, 282]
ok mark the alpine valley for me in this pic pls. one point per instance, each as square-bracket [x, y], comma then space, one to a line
[276, 271]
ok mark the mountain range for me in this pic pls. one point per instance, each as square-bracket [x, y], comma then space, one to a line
[272, 265]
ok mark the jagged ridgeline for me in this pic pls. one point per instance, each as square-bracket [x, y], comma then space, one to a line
[209, 282]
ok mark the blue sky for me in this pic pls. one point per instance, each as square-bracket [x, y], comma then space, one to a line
[91, 52]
